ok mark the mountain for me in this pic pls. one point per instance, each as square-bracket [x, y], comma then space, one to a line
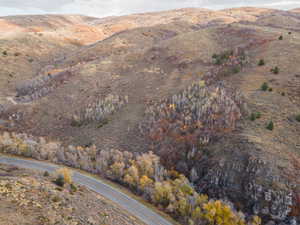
[184, 84]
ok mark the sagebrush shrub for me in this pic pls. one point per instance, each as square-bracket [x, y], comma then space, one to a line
[60, 181]
[46, 174]
[264, 86]
[222, 57]
[261, 62]
[270, 125]
[236, 69]
[275, 70]
[255, 116]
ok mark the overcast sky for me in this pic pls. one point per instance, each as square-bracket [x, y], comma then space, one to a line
[101, 8]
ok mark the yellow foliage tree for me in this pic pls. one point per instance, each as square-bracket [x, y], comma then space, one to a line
[162, 193]
[256, 220]
[196, 214]
[129, 180]
[132, 176]
[183, 207]
[66, 174]
[146, 164]
[117, 169]
[201, 200]
[202, 83]
[145, 182]
[187, 189]
[218, 213]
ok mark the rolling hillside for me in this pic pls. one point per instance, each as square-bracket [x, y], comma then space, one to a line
[215, 94]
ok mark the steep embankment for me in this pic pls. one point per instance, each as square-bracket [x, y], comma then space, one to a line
[29, 197]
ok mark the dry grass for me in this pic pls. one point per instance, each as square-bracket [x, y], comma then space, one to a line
[154, 58]
[28, 197]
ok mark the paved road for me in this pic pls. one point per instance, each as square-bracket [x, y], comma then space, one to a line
[132, 206]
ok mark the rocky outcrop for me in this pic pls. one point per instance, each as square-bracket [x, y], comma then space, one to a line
[234, 169]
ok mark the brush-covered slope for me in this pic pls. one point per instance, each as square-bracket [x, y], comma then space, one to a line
[151, 83]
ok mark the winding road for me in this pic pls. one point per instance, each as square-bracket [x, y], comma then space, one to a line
[132, 206]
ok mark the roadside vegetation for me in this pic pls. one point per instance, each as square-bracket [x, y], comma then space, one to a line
[29, 197]
[142, 173]
[64, 176]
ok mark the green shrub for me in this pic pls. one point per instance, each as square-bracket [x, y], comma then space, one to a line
[60, 181]
[270, 89]
[46, 174]
[4, 53]
[261, 62]
[73, 187]
[254, 116]
[236, 69]
[275, 70]
[282, 94]
[270, 125]
[222, 58]
[218, 61]
[298, 117]
[280, 37]
[258, 115]
[264, 86]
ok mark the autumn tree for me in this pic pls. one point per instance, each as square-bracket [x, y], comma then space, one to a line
[66, 174]
[132, 176]
[218, 213]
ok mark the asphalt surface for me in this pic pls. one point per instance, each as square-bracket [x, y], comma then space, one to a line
[129, 204]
